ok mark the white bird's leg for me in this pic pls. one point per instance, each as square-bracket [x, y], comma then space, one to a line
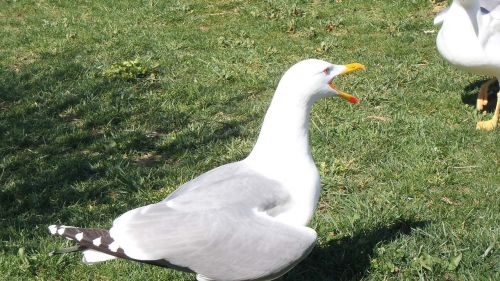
[482, 98]
[493, 122]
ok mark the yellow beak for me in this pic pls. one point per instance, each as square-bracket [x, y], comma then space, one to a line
[349, 68]
[352, 67]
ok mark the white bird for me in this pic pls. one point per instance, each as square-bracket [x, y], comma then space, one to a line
[245, 220]
[469, 38]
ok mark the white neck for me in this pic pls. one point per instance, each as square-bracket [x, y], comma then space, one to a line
[284, 136]
[282, 153]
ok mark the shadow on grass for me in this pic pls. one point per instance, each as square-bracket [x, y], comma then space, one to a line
[471, 93]
[65, 140]
[47, 158]
[348, 258]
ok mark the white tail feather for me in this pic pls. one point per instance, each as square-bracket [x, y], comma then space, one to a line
[92, 257]
[200, 277]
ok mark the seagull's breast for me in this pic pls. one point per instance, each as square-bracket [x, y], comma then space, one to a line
[467, 40]
[302, 182]
[460, 46]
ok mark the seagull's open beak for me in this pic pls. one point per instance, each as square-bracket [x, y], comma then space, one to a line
[348, 68]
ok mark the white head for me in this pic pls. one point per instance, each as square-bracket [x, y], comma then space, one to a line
[312, 79]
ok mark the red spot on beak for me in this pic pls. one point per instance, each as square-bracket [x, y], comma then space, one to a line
[353, 100]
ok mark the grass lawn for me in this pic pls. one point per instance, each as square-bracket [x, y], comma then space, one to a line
[109, 105]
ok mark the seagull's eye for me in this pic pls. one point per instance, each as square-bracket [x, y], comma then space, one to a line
[327, 71]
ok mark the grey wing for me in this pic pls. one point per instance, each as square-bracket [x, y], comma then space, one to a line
[211, 177]
[217, 226]
[490, 5]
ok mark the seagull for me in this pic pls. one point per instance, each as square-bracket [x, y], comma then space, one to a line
[245, 220]
[469, 38]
